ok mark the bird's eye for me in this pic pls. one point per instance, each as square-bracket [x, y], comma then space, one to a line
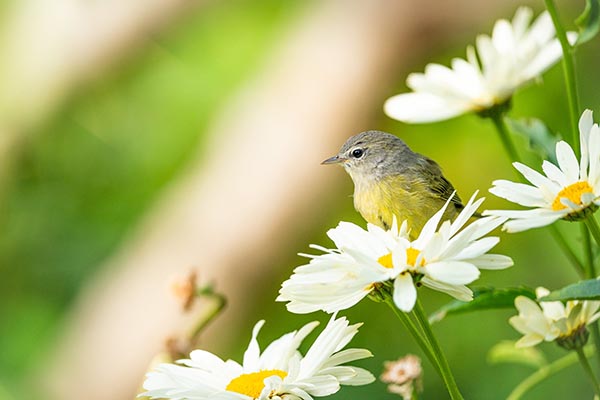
[357, 153]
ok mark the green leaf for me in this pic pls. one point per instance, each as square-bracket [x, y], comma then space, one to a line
[588, 22]
[582, 290]
[483, 299]
[506, 352]
[541, 139]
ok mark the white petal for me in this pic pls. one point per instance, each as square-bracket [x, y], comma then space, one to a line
[309, 297]
[553, 309]
[361, 377]
[277, 355]
[521, 20]
[252, 354]
[433, 248]
[204, 360]
[336, 335]
[585, 126]
[519, 193]
[487, 52]
[431, 225]
[423, 107]
[467, 212]
[567, 161]
[542, 29]
[470, 234]
[405, 293]
[525, 214]
[491, 261]
[519, 225]
[321, 385]
[346, 356]
[531, 312]
[459, 292]
[554, 173]
[530, 339]
[349, 235]
[452, 272]
[535, 177]
[502, 36]
[477, 248]
[594, 149]
[544, 59]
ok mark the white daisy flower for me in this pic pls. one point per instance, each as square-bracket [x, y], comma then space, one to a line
[279, 372]
[569, 191]
[552, 320]
[444, 259]
[342, 277]
[515, 54]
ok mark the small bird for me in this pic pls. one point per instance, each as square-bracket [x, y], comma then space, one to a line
[392, 180]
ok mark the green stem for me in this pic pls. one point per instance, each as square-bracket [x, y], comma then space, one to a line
[564, 245]
[588, 370]
[212, 312]
[592, 226]
[591, 271]
[569, 74]
[498, 120]
[545, 372]
[435, 346]
[596, 338]
[416, 334]
[589, 253]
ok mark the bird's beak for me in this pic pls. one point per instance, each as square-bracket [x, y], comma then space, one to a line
[333, 160]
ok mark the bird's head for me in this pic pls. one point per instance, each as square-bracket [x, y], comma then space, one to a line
[370, 155]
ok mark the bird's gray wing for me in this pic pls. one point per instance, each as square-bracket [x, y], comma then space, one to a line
[440, 186]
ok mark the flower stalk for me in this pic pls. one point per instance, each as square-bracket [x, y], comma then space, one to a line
[437, 350]
[589, 226]
[592, 225]
[416, 334]
[502, 129]
[569, 73]
[588, 370]
[568, 251]
[425, 338]
[546, 372]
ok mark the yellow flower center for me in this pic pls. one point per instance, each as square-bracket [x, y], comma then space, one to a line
[253, 383]
[411, 258]
[386, 261]
[412, 255]
[573, 193]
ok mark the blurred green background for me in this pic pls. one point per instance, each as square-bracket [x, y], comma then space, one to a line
[83, 178]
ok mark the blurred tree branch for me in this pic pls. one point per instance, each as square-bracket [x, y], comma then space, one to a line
[49, 48]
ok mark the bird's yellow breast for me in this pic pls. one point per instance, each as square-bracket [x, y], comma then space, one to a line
[411, 200]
